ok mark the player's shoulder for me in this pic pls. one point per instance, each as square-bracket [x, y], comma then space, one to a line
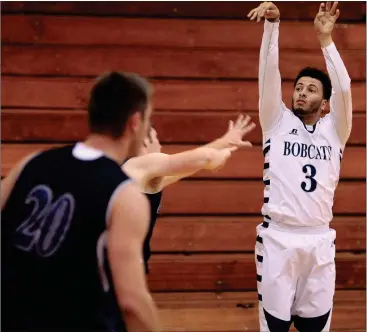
[287, 120]
[129, 193]
[128, 216]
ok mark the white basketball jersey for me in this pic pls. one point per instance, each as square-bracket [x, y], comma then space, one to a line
[301, 171]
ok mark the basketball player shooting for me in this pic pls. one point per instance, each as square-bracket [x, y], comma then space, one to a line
[295, 248]
[153, 170]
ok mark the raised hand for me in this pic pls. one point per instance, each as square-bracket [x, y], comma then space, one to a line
[220, 157]
[237, 130]
[326, 17]
[267, 10]
[151, 143]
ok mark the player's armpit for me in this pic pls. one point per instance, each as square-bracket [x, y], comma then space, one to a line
[7, 184]
[127, 229]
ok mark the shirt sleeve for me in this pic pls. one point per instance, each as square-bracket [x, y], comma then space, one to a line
[270, 91]
[341, 96]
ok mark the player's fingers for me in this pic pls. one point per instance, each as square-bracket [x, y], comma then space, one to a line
[322, 8]
[232, 149]
[249, 128]
[337, 14]
[328, 6]
[239, 121]
[251, 12]
[244, 144]
[246, 121]
[230, 126]
[260, 14]
[254, 15]
[146, 142]
[333, 8]
[264, 7]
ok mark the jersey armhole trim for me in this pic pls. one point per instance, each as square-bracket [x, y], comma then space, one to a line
[27, 160]
[114, 194]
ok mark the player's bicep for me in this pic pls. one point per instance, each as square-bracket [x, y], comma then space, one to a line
[152, 164]
[127, 229]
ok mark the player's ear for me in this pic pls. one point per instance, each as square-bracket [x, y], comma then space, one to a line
[134, 122]
[323, 105]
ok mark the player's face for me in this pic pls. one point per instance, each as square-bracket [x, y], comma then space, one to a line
[307, 96]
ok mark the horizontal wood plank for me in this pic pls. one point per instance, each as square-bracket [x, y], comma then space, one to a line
[168, 95]
[172, 127]
[238, 167]
[237, 234]
[239, 197]
[351, 11]
[234, 272]
[238, 311]
[248, 163]
[88, 61]
[76, 30]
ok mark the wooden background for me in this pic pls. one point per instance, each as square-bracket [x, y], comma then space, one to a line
[203, 60]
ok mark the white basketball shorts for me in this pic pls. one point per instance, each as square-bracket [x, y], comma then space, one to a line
[295, 277]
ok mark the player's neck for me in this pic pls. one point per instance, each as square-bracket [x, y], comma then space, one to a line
[309, 119]
[115, 149]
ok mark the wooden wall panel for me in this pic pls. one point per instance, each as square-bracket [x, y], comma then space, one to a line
[173, 127]
[236, 197]
[195, 63]
[238, 234]
[72, 93]
[351, 11]
[184, 33]
[237, 272]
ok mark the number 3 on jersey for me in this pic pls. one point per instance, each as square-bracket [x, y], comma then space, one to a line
[46, 227]
[311, 184]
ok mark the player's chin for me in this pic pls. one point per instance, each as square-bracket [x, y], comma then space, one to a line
[300, 111]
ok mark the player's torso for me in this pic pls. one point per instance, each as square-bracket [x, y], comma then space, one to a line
[155, 204]
[301, 172]
[52, 225]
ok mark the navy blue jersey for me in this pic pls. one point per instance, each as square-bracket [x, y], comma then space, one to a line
[54, 270]
[155, 203]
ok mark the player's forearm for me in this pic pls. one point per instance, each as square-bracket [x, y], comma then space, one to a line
[337, 71]
[182, 163]
[219, 143]
[270, 94]
[141, 314]
[135, 301]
